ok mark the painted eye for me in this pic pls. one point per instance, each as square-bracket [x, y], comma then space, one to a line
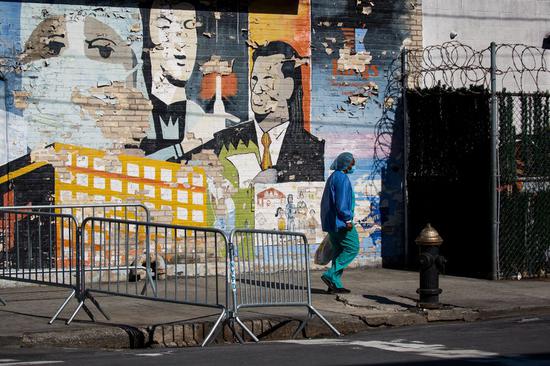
[105, 49]
[190, 24]
[55, 47]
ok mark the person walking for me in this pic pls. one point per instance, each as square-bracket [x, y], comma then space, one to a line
[337, 209]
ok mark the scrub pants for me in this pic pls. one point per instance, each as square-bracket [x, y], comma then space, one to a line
[346, 247]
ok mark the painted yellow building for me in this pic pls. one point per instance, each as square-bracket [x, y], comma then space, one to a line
[85, 176]
[96, 177]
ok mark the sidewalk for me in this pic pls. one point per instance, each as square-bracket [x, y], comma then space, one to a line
[380, 297]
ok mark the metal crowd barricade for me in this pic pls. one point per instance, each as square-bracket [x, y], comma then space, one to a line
[271, 269]
[40, 247]
[188, 264]
[78, 212]
[126, 211]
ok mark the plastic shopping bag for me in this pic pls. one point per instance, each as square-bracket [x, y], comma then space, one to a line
[324, 253]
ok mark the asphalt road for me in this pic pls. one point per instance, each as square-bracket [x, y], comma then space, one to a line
[509, 342]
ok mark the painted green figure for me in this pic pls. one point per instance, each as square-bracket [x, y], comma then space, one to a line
[337, 211]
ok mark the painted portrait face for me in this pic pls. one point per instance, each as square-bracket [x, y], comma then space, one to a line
[88, 37]
[173, 28]
[270, 90]
[73, 54]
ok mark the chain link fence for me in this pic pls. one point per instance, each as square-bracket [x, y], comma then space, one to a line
[476, 160]
[524, 184]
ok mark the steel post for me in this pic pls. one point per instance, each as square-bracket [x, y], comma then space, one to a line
[494, 168]
[404, 86]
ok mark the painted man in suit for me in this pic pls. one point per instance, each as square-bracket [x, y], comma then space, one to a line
[274, 147]
[169, 59]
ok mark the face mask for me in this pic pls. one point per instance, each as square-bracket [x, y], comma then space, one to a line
[351, 170]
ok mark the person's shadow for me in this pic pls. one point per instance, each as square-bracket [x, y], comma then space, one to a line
[385, 301]
[320, 291]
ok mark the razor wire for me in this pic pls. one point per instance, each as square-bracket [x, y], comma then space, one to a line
[455, 65]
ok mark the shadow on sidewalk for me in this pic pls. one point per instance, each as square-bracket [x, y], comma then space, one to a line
[385, 301]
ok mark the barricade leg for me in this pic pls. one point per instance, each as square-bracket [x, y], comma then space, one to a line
[151, 282]
[248, 331]
[211, 336]
[96, 304]
[231, 325]
[71, 295]
[82, 305]
[314, 311]
[303, 324]
[2, 302]
[88, 311]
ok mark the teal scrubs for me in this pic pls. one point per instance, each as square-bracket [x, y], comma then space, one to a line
[346, 247]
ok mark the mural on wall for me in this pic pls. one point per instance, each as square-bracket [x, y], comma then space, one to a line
[170, 58]
[290, 207]
[224, 115]
[78, 72]
[353, 43]
[277, 148]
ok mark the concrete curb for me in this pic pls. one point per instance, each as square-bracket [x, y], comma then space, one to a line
[276, 328]
[115, 337]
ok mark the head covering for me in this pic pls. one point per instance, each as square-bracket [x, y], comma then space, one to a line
[342, 161]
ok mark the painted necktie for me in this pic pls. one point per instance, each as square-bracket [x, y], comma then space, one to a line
[266, 158]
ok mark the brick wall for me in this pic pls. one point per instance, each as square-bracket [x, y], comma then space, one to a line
[251, 98]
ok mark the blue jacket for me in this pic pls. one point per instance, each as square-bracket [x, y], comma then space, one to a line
[338, 202]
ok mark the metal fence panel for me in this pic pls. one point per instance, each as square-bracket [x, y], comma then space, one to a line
[188, 264]
[39, 247]
[126, 211]
[271, 268]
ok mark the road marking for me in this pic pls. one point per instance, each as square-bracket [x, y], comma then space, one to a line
[528, 320]
[420, 348]
[151, 354]
[25, 363]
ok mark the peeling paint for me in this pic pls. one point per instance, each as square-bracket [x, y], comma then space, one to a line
[121, 113]
[356, 62]
[135, 28]
[358, 99]
[217, 65]
[21, 99]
